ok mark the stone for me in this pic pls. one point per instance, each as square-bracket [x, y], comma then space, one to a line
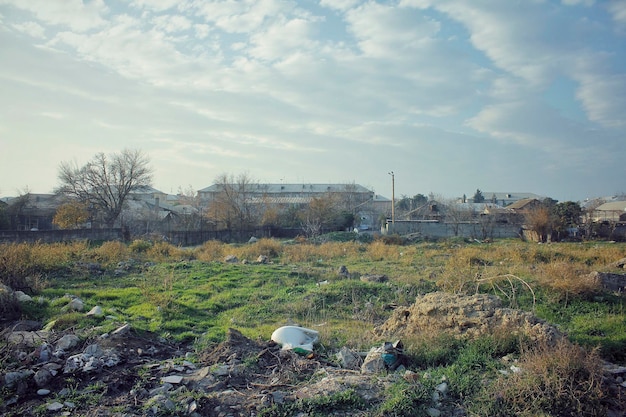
[172, 379]
[374, 278]
[67, 342]
[122, 330]
[231, 259]
[262, 259]
[76, 305]
[43, 391]
[96, 312]
[55, 406]
[11, 379]
[373, 362]
[22, 297]
[343, 271]
[348, 359]
[42, 377]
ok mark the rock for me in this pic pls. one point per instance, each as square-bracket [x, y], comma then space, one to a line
[42, 377]
[55, 406]
[76, 305]
[343, 271]
[619, 264]
[43, 391]
[262, 259]
[11, 379]
[231, 259]
[253, 240]
[67, 342]
[609, 281]
[348, 359]
[32, 339]
[373, 362]
[172, 379]
[467, 316]
[22, 297]
[374, 278]
[96, 312]
[122, 330]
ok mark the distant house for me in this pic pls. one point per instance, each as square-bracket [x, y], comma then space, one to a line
[614, 211]
[505, 199]
[524, 205]
[33, 211]
[367, 205]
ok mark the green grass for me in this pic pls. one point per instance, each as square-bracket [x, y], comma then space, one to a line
[196, 301]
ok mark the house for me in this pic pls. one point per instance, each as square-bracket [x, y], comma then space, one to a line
[505, 199]
[613, 212]
[33, 211]
[362, 202]
[303, 192]
[524, 205]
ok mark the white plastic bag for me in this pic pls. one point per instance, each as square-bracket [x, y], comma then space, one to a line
[295, 337]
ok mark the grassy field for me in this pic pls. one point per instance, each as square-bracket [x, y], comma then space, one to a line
[192, 296]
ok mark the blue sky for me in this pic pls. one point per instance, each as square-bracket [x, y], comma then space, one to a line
[450, 95]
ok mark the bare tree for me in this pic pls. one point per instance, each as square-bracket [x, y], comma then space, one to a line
[234, 206]
[457, 214]
[105, 182]
[539, 220]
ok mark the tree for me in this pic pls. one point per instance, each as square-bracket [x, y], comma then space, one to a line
[234, 206]
[539, 221]
[71, 215]
[478, 196]
[322, 212]
[105, 182]
[566, 215]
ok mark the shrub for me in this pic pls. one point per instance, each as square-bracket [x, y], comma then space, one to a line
[112, 252]
[561, 380]
[139, 246]
[567, 280]
[210, 251]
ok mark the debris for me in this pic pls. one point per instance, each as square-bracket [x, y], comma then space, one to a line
[298, 339]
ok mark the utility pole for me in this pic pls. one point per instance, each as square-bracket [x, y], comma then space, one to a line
[393, 202]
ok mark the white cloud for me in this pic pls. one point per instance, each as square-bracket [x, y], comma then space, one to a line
[31, 29]
[73, 14]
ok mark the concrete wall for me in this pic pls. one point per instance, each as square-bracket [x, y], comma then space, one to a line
[445, 230]
[50, 236]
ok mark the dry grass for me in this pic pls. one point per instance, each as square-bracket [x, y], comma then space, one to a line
[560, 380]
[211, 251]
[566, 279]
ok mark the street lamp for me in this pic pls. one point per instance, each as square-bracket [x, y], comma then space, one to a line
[393, 201]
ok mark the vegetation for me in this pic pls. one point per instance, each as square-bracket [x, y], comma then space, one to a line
[105, 182]
[192, 296]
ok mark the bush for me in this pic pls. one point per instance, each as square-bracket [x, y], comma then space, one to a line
[211, 251]
[139, 246]
[561, 380]
[112, 252]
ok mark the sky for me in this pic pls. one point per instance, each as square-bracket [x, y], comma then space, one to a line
[450, 96]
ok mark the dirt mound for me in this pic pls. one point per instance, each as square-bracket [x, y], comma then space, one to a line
[464, 315]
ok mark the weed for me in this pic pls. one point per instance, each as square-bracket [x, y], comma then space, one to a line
[560, 380]
[405, 399]
[321, 406]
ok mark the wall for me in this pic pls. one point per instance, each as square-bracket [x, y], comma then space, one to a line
[50, 236]
[435, 229]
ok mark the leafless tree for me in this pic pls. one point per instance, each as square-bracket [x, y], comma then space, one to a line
[105, 182]
[539, 221]
[234, 206]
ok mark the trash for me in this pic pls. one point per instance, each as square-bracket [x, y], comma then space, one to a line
[393, 355]
[298, 339]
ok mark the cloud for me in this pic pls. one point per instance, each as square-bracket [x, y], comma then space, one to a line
[73, 14]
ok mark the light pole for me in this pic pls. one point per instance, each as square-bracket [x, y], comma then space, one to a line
[393, 201]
